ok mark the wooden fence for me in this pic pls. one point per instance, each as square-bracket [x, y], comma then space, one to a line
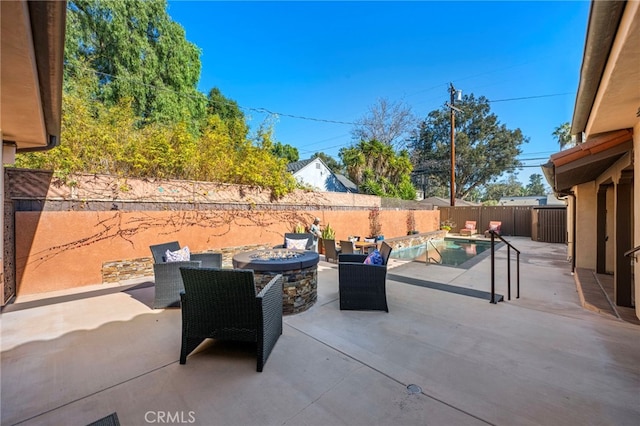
[541, 223]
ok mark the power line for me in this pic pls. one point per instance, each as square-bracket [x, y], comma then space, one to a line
[533, 97]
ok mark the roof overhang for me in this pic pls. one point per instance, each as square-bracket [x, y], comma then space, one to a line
[31, 61]
[609, 94]
[586, 161]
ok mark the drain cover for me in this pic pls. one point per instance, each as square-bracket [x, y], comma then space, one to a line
[414, 389]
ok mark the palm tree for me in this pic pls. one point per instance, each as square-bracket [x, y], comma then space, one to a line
[563, 134]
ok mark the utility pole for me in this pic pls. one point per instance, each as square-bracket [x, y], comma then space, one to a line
[452, 92]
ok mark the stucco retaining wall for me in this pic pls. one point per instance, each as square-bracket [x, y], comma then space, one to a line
[89, 229]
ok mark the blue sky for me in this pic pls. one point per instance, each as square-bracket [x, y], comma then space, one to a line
[333, 60]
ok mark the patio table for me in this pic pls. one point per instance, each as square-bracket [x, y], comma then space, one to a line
[362, 245]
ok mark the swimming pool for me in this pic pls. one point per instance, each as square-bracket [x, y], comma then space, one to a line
[443, 252]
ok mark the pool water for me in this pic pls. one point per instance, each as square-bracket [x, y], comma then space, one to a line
[443, 252]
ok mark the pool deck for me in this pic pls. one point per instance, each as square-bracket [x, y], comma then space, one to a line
[74, 357]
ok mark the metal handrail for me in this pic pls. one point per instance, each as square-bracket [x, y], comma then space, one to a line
[493, 268]
[630, 252]
[430, 240]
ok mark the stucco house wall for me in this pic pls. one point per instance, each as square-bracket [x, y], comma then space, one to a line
[586, 197]
[636, 212]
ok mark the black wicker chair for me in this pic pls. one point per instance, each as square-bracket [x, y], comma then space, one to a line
[168, 281]
[330, 251]
[361, 286]
[222, 304]
[297, 236]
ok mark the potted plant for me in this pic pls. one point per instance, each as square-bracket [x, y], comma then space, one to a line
[328, 233]
[299, 228]
[447, 225]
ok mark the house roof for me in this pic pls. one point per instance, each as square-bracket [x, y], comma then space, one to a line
[31, 53]
[296, 166]
[351, 187]
[608, 99]
[608, 93]
[586, 161]
[445, 202]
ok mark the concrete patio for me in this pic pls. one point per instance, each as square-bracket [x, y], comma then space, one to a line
[72, 358]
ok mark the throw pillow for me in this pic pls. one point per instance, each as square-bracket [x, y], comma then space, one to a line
[470, 226]
[374, 258]
[494, 227]
[296, 244]
[182, 255]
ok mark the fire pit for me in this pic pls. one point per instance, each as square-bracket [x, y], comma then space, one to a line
[299, 269]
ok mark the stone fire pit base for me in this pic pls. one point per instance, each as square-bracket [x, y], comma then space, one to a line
[299, 269]
[299, 291]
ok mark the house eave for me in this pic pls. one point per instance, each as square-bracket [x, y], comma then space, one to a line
[32, 50]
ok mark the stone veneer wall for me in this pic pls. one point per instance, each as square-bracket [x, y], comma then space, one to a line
[299, 290]
[415, 239]
[122, 270]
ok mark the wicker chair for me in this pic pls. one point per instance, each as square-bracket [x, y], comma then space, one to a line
[297, 236]
[168, 281]
[330, 251]
[347, 247]
[209, 260]
[222, 304]
[362, 286]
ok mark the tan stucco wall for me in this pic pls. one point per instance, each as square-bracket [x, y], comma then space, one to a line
[636, 211]
[586, 224]
[611, 231]
[60, 250]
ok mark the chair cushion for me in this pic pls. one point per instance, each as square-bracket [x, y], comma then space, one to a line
[470, 225]
[182, 255]
[374, 258]
[494, 227]
[296, 244]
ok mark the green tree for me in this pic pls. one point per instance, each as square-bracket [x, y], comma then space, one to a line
[510, 187]
[484, 147]
[563, 134]
[229, 111]
[536, 185]
[286, 151]
[331, 162]
[105, 139]
[139, 54]
[376, 168]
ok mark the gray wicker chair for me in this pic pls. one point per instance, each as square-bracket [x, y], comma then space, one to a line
[222, 304]
[297, 236]
[361, 286]
[209, 260]
[168, 281]
[330, 250]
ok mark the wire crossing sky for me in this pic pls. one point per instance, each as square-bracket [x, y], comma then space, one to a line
[313, 68]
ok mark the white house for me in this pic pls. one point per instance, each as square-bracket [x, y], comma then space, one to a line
[314, 173]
